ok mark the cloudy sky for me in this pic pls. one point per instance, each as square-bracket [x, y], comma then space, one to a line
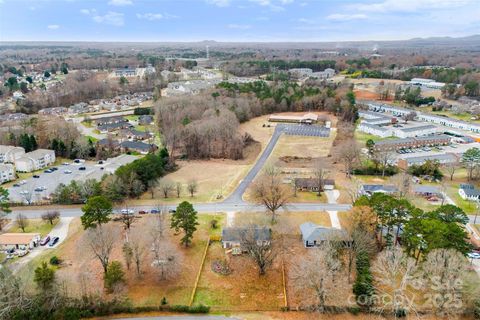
[236, 20]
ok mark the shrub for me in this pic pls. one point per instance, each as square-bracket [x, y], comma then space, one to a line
[214, 224]
[164, 301]
[54, 261]
[114, 275]
[190, 309]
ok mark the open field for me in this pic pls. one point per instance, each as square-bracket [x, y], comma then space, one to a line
[34, 226]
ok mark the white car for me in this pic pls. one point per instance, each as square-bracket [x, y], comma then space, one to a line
[67, 171]
[24, 192]
[127, 211]
[66, 163]
[23, 182]
[473, 255]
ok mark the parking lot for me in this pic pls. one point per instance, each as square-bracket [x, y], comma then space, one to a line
[306, 130]
[457, 148]
[28, 191]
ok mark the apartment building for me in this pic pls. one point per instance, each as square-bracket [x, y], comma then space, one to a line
[7, 173]
[9, 154]
[440, 158]
[416, 142]
[35, 160]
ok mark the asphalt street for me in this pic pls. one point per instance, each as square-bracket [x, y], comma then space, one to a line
[235, 202]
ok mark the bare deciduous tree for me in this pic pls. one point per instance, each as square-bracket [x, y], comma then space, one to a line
[51, 216]
[137, 245]
[101, 240]
[403, 182]
[320, 174]
[166, 186]
[192, 187]
[261, 252]
[270, 192]
[178, 189]
[384, 158]
[444, 271]
[396, 273]
[348, 155]
[166, 259]
[452, 167]
[318, 277]
[21, 221]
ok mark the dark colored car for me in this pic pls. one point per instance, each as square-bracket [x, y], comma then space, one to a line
[16, 185]
[154, 211]
[76, 161]
[36, 176]
[48, 171]
[82, 168]
[45, 241]
[172, 210]
[142, 212]
[53, 241]
[54, 169]
[100, 161]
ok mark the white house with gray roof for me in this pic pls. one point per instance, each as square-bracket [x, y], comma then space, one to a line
[469, 192]
[315, 236]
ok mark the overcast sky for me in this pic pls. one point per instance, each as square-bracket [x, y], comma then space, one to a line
[236, 20]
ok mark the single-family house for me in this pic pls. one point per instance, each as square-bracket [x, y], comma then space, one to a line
[145, 119]
[9, 154]
[311, 184]
[35, 160]
[132, 134]
[315, 236]
[110, 120]
[369, 189]
[20, 241]
[427, 191]
[137, 146]
[110, 127]
[7, 172]
[469, 192]
[233, 237]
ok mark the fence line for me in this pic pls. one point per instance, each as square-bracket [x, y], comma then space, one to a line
[199, 273]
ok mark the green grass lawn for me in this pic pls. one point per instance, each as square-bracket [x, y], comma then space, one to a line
[93, 139]
[132, 117]
[87, 124]
[34, 226]
[363, 137]
[468, 206]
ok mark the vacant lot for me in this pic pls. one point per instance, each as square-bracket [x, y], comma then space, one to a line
[244, 288]
[34, 226]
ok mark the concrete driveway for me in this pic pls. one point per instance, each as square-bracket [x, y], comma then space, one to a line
[60, 230]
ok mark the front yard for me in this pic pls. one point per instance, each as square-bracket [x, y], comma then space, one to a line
[34, 226]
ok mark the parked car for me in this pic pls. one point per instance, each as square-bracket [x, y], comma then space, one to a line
[23, 182]
[172, 210]
[66, 164]
[474, 255]
[154, 211]
[45, 241]
[100, 162]
[47, 171]
[142, 212]
[16, 185]
[127, 211]
[53, 241]
[82, 168]
[38, 189]
[22, 253]
[54, 169]
[36, 176]
[67, 171]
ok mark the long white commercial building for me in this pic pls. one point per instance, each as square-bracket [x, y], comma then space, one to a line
[426, 117]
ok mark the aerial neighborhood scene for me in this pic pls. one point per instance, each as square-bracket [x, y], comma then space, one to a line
[239, 159]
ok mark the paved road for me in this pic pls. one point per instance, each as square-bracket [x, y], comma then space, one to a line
[201, 208]
[235, 202]
[182, 318]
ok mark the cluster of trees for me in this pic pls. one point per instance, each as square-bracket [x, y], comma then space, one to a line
[428, 168]
[422, 231]
[49, 133]
[128, 181]
[206, 125]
